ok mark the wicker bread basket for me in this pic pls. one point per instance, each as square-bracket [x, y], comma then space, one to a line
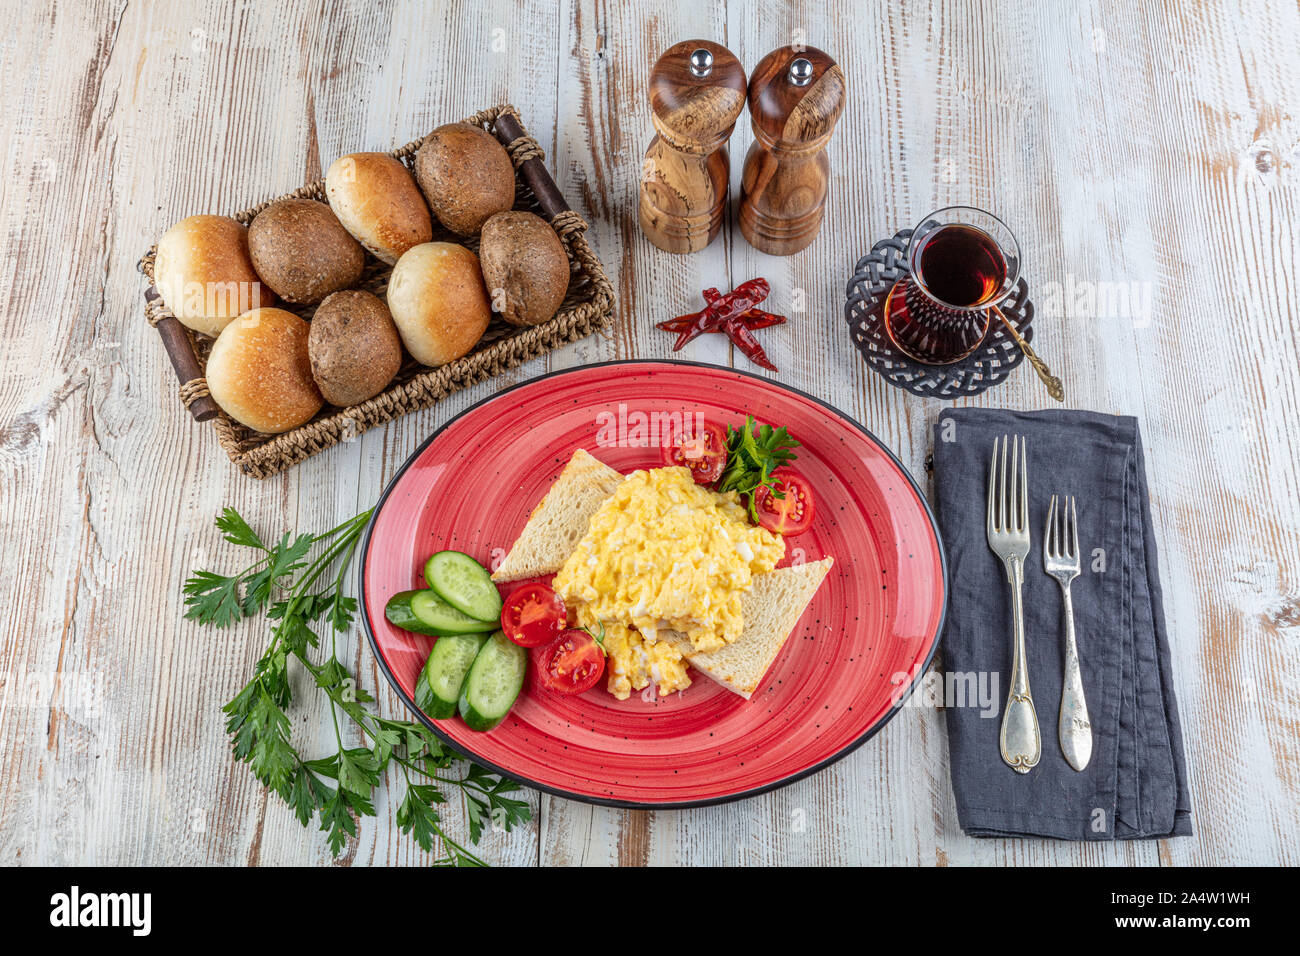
[587, 308]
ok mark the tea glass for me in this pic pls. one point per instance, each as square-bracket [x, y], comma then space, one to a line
[961, 263]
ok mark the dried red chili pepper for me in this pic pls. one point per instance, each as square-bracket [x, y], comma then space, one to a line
[675, 325]
[753, 319]
[736, 302]
[744, 340]
[757, 319]
[734, 314]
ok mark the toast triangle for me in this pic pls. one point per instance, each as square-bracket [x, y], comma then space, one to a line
[560, 519]
[771, 608]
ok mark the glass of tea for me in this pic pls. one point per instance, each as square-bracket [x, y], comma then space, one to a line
[961, 262]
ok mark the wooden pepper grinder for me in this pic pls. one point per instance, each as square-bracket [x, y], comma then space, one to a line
[697, 90]
[795, 98]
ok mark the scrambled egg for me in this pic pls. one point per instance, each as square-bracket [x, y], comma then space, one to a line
[633, 663]
[664, 552]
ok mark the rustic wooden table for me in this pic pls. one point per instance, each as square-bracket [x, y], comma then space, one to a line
[1156, 146]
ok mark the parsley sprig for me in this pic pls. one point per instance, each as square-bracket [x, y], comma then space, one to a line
[753, 453]
[286, 582]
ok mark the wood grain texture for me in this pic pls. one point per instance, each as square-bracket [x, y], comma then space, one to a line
[1155, 145]
[786, 172]
[686, 173]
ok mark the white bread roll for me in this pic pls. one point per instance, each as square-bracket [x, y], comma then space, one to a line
[259, 371]
[439, 302]
[205, 275]
[378, 202]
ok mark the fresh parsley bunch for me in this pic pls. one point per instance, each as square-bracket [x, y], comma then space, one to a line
[339, 788]
[753, 453]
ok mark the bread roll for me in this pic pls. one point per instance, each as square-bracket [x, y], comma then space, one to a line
[354, 347]
[259, 372]
[301, 250]
[524, 266]
[439, 302]
[377, 201]
[466, 176]
[205, 275]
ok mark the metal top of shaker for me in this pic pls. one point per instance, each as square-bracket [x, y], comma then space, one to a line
[801, 71]
[701, 62]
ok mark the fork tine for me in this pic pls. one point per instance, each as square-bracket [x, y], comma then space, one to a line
[1074, 530]
[1049, 533]
[1008, 484]
[1009, 514]
[1059, 530]
[1062, 524]
[1024, 487]
[1002, 488]
[993, 477]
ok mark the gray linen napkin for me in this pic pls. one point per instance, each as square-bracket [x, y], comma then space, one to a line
[1135, 786]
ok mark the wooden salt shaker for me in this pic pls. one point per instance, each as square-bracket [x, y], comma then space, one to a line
[795, 98]
[697, 90]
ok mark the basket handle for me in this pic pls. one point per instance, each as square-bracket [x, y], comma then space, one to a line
[533, 170]
[181, 352]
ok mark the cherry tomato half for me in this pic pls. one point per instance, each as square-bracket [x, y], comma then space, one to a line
[533, 615]
[573, 663]
[703, 451]
[791, 514]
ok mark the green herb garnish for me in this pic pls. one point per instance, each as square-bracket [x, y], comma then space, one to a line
[753, 453]
[598, 638]
[338, 789]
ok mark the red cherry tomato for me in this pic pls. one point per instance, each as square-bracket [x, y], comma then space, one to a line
[703, 451]
[573, 663]
[533, 615]
[791, 514]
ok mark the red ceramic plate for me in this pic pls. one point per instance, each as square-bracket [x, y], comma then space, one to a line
[845, 670]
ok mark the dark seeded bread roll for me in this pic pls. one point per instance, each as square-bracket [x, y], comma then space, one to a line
[524, 266]
[466, 176]
[301, 250]
[354, 347]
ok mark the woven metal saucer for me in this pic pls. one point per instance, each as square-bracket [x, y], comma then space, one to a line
[992, 361]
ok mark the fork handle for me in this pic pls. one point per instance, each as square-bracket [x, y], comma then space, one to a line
[1074, 729]
[1020, 741]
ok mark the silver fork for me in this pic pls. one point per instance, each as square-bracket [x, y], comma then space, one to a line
[1008, 534]
[1061, 561]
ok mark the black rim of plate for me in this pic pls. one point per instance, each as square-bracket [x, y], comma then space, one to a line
[460, 748]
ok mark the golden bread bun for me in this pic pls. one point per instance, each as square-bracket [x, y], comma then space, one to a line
[259, 372]
[438, 301]
[205, 274]
[377, 200]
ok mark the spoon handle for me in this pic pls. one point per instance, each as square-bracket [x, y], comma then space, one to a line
[1054, 386]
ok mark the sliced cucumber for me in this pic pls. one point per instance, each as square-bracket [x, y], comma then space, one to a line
[464, 584]
[493, 683]
[424, 612]
[437, 692]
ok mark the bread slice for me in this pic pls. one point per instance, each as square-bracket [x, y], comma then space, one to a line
[771, 609]
[560, 519]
